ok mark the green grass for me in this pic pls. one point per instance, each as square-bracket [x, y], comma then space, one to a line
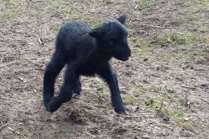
[179, 57]
[192, 3]
[12, 11]
[139, 89]
[175, 38]
[130, 100]
[142, 51]
[166, 103]
[145, 4]
[11, 3]
[75, 13]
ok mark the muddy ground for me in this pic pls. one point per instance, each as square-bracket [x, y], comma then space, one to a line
[165, 85]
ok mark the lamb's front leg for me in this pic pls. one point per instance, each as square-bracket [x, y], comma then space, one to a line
[111, 78]
[77, 88]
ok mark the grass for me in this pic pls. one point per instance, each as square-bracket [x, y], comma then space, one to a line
[16, 10]
[175, 38]
[203, 29]
[55, 28]
[190, 17]
[130, 100]
[69, 12]
[179, 57]
[12, 9]
[166, 103]
[140, 89]
[192, 3]
[144, 47]
[142, 51]
[145, 4]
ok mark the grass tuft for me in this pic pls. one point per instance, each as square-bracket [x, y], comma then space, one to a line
[178, 38]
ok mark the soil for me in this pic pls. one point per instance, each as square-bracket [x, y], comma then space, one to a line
[164, 85]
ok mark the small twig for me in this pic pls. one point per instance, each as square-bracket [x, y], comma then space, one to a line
[3, 126]
[16, 132]
[152, 26]
[205, 101]
[161, 105]
[21, 79]
[31, 61]
[41, 42]
[188, 87]
[186, 99]
[7, 64]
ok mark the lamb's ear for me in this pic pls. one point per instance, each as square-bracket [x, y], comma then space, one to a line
[96, 33]
[122, 19]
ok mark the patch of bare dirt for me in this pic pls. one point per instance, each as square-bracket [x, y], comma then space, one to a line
[165, 88]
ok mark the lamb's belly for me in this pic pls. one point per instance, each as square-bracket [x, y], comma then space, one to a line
[87, 70]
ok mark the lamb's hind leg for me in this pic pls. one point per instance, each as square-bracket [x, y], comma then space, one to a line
[52, 70]
[66, 90]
